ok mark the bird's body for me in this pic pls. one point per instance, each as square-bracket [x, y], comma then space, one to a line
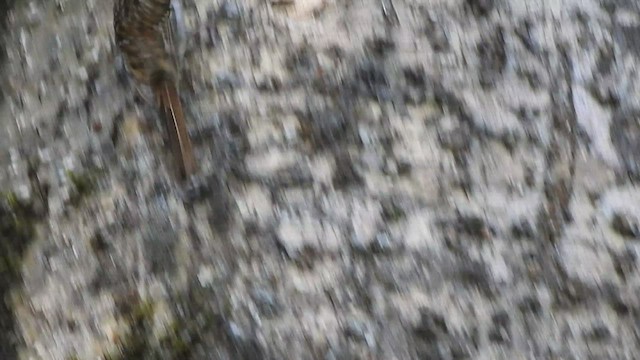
[141, 35]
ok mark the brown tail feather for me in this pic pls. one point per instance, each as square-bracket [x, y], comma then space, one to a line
[171, 107]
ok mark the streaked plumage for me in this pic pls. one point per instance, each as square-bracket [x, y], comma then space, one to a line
[146, 38]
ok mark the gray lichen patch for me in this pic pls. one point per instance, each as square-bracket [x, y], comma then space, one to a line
[377, 179]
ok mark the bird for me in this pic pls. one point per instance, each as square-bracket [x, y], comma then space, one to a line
[145, 37]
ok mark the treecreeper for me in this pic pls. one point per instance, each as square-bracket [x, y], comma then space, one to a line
[144, 34]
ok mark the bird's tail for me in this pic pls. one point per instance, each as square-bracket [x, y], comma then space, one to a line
[166, 93]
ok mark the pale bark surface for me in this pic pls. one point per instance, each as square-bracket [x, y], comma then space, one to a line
[396, 179]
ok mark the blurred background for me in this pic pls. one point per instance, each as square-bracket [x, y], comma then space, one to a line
[378, 179]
